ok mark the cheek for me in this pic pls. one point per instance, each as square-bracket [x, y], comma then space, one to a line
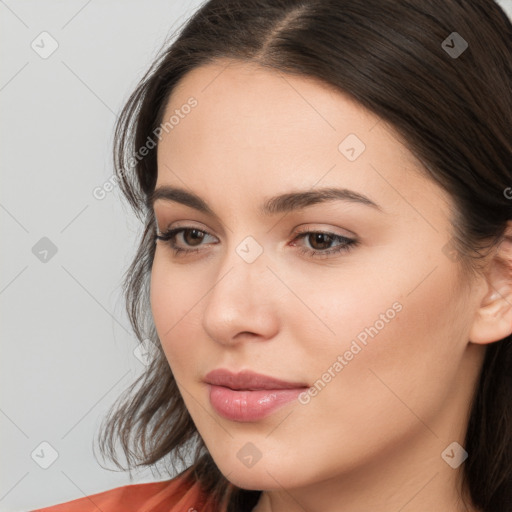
[393, 376]
[395, 343]
[174, 295]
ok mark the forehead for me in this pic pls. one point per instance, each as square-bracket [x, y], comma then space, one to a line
[243, 97]
[252, 123]
[252, 97]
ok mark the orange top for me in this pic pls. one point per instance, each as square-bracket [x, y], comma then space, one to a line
[175, 495]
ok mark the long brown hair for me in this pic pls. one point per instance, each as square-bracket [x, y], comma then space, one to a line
[454, 111]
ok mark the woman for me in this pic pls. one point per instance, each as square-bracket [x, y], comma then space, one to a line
[325, 272]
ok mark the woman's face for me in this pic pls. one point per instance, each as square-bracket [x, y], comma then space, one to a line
[377, 328]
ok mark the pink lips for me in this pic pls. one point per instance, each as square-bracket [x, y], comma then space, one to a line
[249, 396]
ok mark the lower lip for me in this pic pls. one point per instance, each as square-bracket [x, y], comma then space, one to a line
[250, 405]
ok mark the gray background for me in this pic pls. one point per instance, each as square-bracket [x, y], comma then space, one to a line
[67, 348]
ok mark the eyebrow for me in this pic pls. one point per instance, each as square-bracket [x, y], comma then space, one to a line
[283, 203]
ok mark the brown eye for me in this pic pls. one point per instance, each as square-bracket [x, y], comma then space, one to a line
[188, 237]
[320, 241]
[193, 237]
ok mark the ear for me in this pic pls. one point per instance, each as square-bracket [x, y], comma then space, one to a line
[493, 319]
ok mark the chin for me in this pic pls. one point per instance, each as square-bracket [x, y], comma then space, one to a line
[261, 477]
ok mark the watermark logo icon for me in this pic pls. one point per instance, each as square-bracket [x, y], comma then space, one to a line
[454, 45]
[249, 249]
[249, 455]
[44, 45]
[44, 250]
[44, 455]
[454, 455]
[450, 251]
[142, 351]
[351, 147]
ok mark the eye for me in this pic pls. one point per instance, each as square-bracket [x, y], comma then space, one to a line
[323, 238]
[196, 237]
[320, 241]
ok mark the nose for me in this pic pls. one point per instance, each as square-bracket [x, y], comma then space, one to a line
[242, 304]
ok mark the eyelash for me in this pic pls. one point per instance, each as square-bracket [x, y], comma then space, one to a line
[348, 243]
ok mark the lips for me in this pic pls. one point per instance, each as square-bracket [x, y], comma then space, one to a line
[248, 396]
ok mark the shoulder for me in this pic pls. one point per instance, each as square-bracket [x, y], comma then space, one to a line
[181, 494]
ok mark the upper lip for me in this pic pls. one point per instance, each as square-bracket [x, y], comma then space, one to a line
[248, 380]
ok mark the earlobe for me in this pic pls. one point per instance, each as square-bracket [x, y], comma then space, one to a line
[493, 319]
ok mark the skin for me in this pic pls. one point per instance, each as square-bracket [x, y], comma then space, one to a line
[372, 439]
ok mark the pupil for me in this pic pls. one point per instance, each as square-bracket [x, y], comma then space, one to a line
[319, 237]
[195, 236]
